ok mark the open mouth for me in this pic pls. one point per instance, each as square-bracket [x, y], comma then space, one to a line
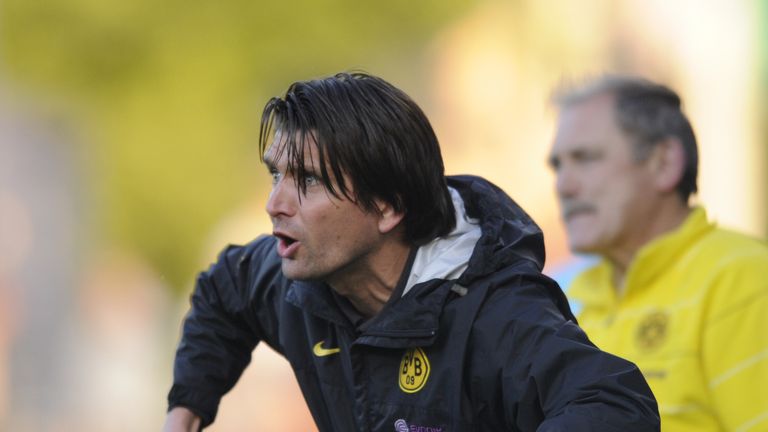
[286, 245]
[285, 239]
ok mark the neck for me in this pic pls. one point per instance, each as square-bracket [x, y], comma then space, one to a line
[664, 219]
[369, 286]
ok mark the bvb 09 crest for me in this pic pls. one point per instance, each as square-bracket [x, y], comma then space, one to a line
[414, 370]
[652, 331]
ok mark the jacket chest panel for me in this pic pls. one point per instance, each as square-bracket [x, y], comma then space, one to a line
[375, 388]
[383, 388]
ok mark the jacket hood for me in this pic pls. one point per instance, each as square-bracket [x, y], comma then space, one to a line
[492, 232]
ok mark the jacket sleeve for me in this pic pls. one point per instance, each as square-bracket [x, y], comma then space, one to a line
[230, 313]
[554, 379]
[584, 389]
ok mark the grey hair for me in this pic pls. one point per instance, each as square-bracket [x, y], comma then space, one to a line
[647, 112]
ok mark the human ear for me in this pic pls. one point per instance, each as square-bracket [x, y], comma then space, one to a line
[668, 164]
[388, 217]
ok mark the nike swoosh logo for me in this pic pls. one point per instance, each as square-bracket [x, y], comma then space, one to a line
[319, 351]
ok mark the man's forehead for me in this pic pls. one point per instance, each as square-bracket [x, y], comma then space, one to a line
[284, 144]
[590, 123]
[572, 143]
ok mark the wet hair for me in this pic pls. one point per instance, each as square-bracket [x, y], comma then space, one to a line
[648, 113]
[372, 132]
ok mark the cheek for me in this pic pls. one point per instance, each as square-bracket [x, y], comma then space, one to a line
[339, 237]
[342, 225]
[618, 213]
[612, 193]
[625, 196]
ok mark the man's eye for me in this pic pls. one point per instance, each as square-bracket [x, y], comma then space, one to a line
[275, 176]
[311, 180]
[590, 156]
[554, 163]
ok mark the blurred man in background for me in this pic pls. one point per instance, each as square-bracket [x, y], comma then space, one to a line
[685, 300]
[404, 300]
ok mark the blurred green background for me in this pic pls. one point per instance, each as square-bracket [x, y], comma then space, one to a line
[163, 95]
[128, 157]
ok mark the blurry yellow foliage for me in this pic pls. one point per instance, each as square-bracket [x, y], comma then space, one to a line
[168, 95]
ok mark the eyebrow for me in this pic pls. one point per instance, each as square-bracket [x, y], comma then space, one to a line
[267, 160]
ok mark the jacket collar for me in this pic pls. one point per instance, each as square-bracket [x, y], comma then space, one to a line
[655, 257]
[510, 237]
[316, 298]
[447, 257]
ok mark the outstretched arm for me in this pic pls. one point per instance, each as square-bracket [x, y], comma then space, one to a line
[232, 310]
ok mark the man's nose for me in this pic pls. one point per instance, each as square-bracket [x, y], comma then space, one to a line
[282, 198]
[566, 183]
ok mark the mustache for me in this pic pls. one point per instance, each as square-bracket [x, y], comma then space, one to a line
[569, 208]
[280, 228]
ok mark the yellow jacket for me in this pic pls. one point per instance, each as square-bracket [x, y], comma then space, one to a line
[694, 318]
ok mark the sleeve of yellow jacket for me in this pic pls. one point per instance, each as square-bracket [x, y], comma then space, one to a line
[735, 342]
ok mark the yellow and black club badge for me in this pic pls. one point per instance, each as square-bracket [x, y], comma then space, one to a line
[652, 331]
[414, 370]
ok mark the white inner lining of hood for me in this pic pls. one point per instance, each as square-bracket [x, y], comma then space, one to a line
[446, 257]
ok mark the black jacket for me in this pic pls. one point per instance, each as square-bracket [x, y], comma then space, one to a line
[492, 348]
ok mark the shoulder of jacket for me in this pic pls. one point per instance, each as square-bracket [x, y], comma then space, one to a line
[526, 297]
[725, 251]
[259, 248]
[236, 261]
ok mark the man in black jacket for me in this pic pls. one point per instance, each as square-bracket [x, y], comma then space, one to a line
[404, 300]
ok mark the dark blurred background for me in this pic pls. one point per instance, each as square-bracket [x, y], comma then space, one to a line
[128, 157]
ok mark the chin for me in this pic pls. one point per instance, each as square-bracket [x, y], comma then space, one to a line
[292, 272]
[583, 247]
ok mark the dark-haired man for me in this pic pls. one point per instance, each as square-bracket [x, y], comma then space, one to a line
[404, 300]
[685, 300]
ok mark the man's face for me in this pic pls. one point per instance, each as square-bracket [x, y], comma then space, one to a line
[320, 237]
[605, 195]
